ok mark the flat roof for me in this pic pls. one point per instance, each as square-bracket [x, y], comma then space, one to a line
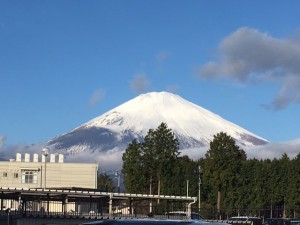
[55, 194]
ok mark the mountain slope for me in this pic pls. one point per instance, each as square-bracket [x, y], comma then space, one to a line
[193, 125]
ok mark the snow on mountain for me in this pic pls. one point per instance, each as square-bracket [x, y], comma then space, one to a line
[193, 125]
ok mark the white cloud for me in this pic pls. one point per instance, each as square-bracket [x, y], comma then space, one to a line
[250, 56]
[289, 92]
[173, 88]
[109, 160]
[163, 56]
[112, 159]
[96, 96]
[274, 150]
[9, 152]
[2, 141]
[140, 83]
[268, 151]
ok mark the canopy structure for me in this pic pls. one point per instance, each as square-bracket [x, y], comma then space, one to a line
[73, 195]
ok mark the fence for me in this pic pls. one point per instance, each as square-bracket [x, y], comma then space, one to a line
[263, 213]
[99, 208]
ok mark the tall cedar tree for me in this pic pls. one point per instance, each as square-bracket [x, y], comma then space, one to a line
[222, 167]
[155, 160]
[134, 168]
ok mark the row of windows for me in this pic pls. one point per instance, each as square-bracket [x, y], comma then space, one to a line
[27, 176]
[16, 175]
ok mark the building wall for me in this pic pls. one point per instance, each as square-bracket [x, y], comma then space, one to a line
[24, 172]
[71, 175]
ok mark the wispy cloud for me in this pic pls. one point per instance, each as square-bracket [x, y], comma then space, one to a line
[96, 97]
[268, 151]
[250, 56]
[274, 150]
[9, 152]
[163, 56]
[112, 159]
[2, 141]
[140, 83]
[173, 88]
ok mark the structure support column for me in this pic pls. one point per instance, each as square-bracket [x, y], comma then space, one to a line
[110, 204]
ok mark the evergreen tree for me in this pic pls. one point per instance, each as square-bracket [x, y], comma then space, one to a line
[244, 184]
[105, 183]
[294, 187]
[222, 165]
[152, 162]
[134, 168]
[187, 174]
[166, 151]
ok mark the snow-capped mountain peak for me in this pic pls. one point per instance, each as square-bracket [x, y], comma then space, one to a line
[147, 111]
[193, 125]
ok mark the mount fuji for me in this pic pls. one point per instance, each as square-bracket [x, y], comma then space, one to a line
[193, 125]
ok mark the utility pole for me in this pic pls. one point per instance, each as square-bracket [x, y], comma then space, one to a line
[187, 188]
[45, 153]
[150, 193]
[199, 188]
[119, 174]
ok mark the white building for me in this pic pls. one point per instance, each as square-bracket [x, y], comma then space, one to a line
[40, 171]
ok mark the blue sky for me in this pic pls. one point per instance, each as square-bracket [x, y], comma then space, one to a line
[65, 62]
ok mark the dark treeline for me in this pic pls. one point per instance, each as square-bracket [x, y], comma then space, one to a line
[228, 179]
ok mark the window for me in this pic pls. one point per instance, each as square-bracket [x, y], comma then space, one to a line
[29, 176]
[16, 175]
[4, 174]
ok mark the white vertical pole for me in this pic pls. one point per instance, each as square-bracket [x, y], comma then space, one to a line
[45, 153]
[187, 188]
[199, 188]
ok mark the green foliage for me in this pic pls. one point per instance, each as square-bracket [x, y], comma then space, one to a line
[152, 161]
[134, 168]
[244, 183]
[222, 164]
[105, 183]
